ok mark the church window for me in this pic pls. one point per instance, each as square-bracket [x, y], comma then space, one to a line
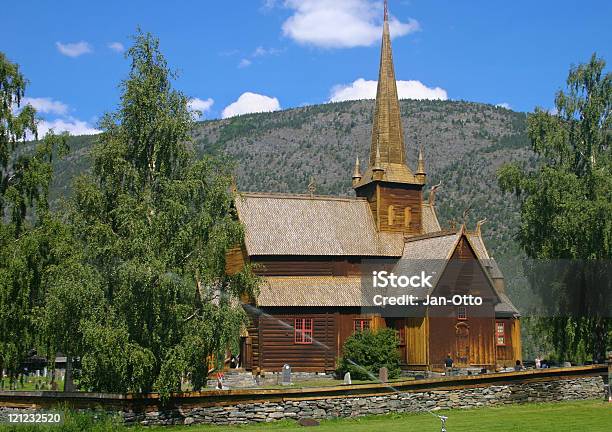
[407, 216]
[500, 333]
[360, 325]
[391, 215]
[303, 330]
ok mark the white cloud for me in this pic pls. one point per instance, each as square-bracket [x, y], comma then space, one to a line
[262, 52]
[74, 49]
[244, 63]
[62, 121]
[505, 105]
[251, 103]
[366, 89]
[70, 125]
[46, 105]
[116, 46]
[202, 105]
[340, 23]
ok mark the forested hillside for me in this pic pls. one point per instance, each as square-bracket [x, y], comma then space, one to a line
[464, 143]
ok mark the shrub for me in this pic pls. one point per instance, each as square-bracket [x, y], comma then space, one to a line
[366, 352]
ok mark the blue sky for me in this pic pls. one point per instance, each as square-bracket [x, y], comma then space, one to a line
[250, 55]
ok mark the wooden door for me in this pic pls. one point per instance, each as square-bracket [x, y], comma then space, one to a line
[462, 344]
[399, 325]
[246, 353]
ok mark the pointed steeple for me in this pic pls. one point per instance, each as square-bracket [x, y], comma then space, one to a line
[377, 169]
[356, 172]
[387, 130]
[420, 171]
[387, 127]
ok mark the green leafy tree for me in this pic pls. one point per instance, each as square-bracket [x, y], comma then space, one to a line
[364, 353]
[566, 208]
[25, 221]
[154, 223]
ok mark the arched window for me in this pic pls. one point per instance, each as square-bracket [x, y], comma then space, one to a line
[407, 216]
[391, 215]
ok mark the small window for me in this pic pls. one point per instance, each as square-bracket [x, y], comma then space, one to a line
[360, 325]
[500, 333]
[303, 330]
[461, 313]
[407, 216]
[391, 215]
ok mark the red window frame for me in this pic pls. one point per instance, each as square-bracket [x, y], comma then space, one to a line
[461, 313]
[500, 333]
[360, 325]
[303, 331]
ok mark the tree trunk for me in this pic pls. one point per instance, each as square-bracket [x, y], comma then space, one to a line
[68, 382]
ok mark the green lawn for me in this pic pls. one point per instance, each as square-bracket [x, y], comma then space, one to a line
[587, 416]
[584, 416]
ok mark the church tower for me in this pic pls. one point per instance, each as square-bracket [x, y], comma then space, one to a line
[394, 192]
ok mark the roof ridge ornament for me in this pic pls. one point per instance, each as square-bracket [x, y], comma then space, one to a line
[432, 193]
[479, 224]
[466, 213]
[356, 172]
[312, 187]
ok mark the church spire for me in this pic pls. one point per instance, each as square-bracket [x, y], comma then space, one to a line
[387, 132]
[387, 128]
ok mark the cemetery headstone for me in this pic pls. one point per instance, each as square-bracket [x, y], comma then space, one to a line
[286, 375]
[383, 374]
[610, 377]
[347, 378]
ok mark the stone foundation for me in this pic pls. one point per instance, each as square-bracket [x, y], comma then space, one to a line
[494, 395]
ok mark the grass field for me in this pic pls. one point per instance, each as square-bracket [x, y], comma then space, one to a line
[588, 416]
[584, 416]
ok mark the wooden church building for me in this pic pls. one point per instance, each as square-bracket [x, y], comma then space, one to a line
[309, 251]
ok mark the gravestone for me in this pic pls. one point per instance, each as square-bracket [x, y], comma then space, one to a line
[347, 378]
[383, 374]
[610, 377]
[286, 378]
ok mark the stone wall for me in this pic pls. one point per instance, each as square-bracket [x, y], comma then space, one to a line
[414, 401]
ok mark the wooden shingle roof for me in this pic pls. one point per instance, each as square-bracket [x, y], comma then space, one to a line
[283, 224]
[429, 219]
[311, 291]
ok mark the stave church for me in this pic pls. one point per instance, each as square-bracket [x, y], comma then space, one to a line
[310, 250]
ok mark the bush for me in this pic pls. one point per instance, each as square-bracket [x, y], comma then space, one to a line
[366, 352]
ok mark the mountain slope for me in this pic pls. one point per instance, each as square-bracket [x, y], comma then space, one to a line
[464, 143]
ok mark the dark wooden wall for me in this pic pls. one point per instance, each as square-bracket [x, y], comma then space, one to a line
[382, 195]
[277, 344]
[272, 337]
[306, 266]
